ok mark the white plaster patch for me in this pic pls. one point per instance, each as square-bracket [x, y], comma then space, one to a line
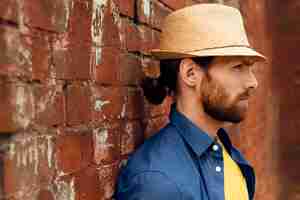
[147, 8]
[12, 151]
[65, 191]
[23, 102]
[98, 55]
[99, 104]
[101, 138]
[49, 151]
[97, 20]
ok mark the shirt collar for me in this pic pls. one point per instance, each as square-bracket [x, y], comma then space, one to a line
[199, 140]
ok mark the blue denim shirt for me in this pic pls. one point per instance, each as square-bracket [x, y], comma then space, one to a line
[179, 163]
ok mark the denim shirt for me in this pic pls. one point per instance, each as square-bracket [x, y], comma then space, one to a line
[180, 163]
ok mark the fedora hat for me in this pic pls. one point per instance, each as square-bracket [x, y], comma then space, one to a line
[204, 30]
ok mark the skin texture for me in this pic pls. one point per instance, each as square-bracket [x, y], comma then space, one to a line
[217, 95]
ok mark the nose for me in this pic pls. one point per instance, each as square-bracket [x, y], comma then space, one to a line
[252, 83]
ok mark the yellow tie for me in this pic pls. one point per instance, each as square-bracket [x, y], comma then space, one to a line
[235, 186]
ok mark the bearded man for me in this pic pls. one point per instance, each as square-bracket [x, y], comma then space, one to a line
[206, 64]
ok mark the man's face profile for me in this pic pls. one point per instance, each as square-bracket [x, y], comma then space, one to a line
[226, 88]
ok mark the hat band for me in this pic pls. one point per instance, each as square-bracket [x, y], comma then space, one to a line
[221, 47]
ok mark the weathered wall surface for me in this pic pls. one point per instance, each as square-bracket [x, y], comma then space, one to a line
[71, 108]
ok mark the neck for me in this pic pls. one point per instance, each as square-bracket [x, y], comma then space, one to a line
[195, 112]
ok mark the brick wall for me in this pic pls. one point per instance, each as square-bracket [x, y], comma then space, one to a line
[70, 98]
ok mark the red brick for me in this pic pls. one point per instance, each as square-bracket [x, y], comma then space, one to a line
[16, 107]
[28, 163]
[149, 39]
[107, 142]
[80, 22]
[108, 175]
[11, 55]
[151, 12]
[71, 61]
[105, 25]
[133, 107]
[131, 137]
[47, 15]
[36, 56]
[107, 103]
[87, 184]
[150, 67]
[131, 39]
[45, 195]
[174, 4]
[126, 7]
[159, 13]
[78, 104]
[9, 10]
[115, 67]
[74, 150]
[49, 104]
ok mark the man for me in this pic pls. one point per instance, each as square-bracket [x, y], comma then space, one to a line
[207, 66]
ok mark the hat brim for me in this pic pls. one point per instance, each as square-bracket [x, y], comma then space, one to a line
[223, 51]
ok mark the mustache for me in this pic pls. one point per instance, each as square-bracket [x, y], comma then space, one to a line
[246, 95]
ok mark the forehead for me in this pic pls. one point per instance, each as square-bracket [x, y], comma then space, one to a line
[234, 60]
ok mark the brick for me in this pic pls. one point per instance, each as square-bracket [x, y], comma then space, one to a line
[106, 139]
[87, 184]
[47, 15]
[71, 61]
[80, 22]
[131, 137]
[16, 107]
[45, 195]
[74, 151]
[174, 4]
[159, 13]
[11, 55]
[117, 68]
[131, 39]
[49, 104]
[151, 12]
[126, 7]
[36, 56]
[150, 67]
[29, 162]
[133, 107]
[108, 175]
[78, 102]
[107, 103]
[105, 24]
[149, 39]
[9, 10]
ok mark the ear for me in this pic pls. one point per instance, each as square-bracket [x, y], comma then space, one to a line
[190, 72]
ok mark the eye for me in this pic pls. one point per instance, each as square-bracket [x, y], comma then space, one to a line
[238, 67]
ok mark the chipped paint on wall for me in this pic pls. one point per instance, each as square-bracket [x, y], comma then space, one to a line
[30, 151]
[23, 102]
[98, 55]
[147, 8]
[99, 104]
[64, 190]
[101, 138]
[97, 20]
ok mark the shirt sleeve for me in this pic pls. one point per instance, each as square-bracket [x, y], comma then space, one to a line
[148, 185]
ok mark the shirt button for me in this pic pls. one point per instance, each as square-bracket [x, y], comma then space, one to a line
[215, 147]
[218, 168]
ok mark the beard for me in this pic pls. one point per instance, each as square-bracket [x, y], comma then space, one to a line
[218, 104]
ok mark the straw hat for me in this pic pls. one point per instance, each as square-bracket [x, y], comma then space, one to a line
[204, 30]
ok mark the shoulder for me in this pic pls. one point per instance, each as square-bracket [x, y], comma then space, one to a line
[149, 185]
[153, 153]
